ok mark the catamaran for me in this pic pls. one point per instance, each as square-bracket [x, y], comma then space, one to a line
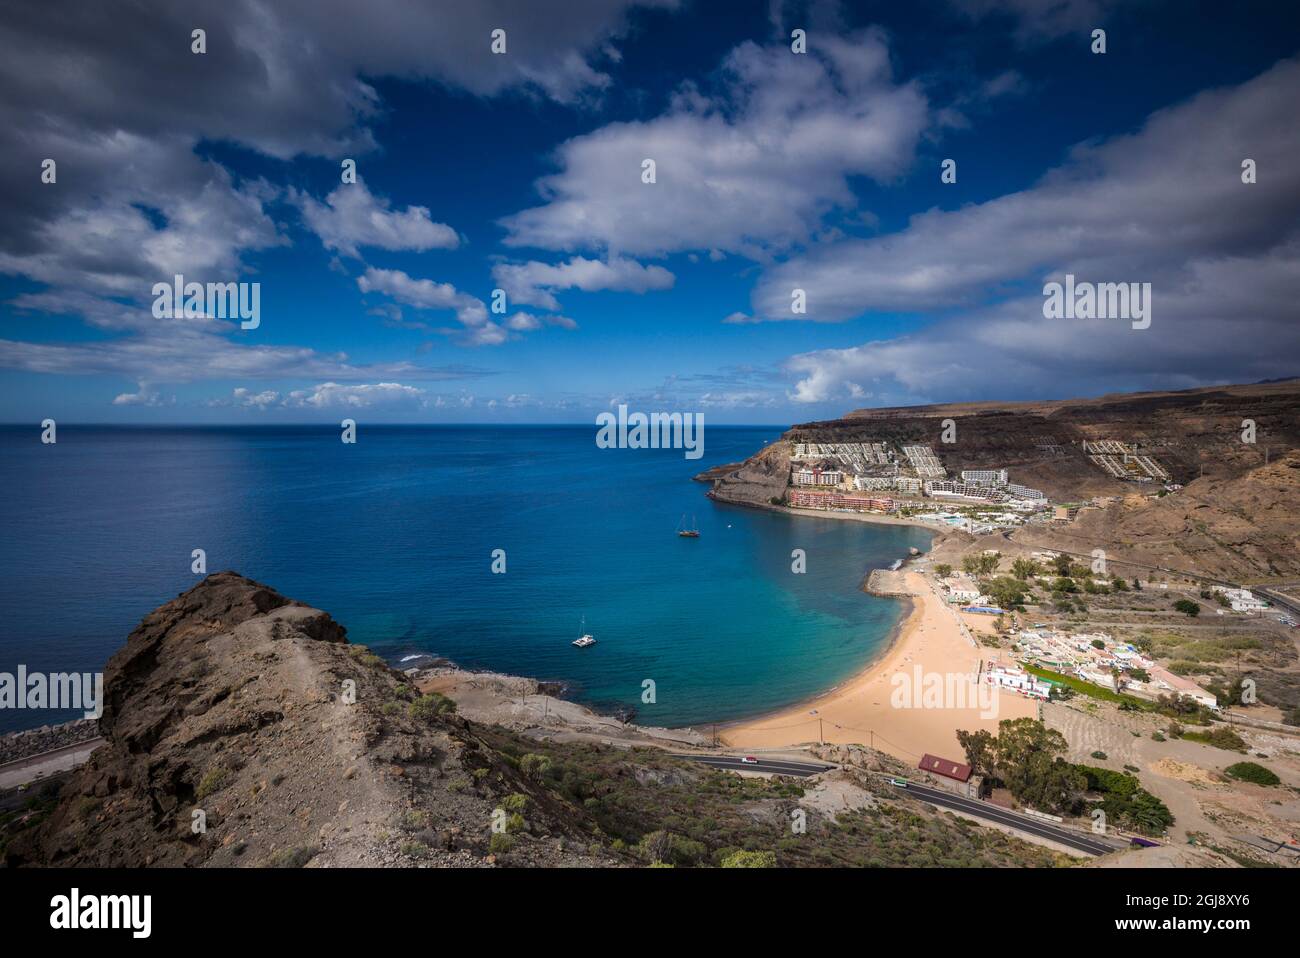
[685, 533]
[585, 639]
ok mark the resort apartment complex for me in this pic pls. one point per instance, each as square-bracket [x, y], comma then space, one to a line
[833, 476]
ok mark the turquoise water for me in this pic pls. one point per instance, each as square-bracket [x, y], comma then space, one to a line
[394, 535]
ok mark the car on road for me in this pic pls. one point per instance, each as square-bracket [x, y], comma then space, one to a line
[900, 782]
[749, 760]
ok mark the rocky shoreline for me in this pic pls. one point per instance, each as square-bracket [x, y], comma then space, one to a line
[25, 744]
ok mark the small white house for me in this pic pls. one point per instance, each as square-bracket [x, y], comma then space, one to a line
[1018, 681]
[1243, 600]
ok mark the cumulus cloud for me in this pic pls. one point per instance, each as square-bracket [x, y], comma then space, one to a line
[534, 283]
[750, 170]
[477, 327]
[1165, 205]
[186, 350]
[352, 217]
[356, 396]
[1150, 206]
[172, 213]
[144, 397]
[258, 400]
[527, 322]
[114, 94]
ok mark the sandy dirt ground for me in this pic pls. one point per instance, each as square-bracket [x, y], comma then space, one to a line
[1188, 776]
[886, 707]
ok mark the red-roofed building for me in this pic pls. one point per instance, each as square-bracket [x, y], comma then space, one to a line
[952, 775]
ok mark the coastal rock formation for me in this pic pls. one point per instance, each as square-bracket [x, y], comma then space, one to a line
[757, 481]
[241, 728]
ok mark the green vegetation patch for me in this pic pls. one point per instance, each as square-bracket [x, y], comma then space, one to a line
[1219, 737]
[1088, 688]
[1252, 772]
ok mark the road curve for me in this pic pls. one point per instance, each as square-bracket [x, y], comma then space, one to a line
[769, 766]
[935, 796]
[1025, 823]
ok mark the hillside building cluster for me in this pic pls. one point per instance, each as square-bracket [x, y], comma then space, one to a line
[1099, 658]
[1121, 460]
[833, 476]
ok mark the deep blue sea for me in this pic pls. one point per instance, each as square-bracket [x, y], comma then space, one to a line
[393, 536]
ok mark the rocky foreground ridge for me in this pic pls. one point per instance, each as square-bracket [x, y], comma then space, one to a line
[228, 706]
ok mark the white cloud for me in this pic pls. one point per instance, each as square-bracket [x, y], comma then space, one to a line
[534, 284]
[477, 326]
[353, 217]
[527, 322]
[357, 396]
[171, 213]
[1153, 206]
[124, 104]
[144, 397]
[749, 170]
[1231, 321]
[479, 330]
[258, 400]
[189, 350]
[1165, 205]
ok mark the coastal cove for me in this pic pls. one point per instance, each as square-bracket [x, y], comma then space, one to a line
[395, 537]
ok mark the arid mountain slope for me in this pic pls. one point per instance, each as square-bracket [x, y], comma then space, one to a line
[1243, 529]
[231, 702]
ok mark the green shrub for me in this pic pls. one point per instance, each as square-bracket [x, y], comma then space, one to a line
[295, 857]
[501, 843]
[415, 819]
[214, 781]
[428, 707]
[1221, 737]
[744, 859]
[1252, 772]
[535, 766]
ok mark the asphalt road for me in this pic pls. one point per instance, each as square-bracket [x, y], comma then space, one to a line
[1025, 823]
[935, 796]
[770, 766]
[60, 759]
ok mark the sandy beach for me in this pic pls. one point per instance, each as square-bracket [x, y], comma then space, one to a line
[899, 716]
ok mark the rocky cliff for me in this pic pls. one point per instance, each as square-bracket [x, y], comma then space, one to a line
[243, 729]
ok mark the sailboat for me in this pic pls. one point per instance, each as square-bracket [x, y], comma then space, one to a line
[585, 639]
[685, 533]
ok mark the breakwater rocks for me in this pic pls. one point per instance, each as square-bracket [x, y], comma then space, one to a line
[21, 745]
[887, 582]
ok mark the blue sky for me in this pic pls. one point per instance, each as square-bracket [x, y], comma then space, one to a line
[521, 172]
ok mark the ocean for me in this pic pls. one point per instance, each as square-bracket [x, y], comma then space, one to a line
[394, 537]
